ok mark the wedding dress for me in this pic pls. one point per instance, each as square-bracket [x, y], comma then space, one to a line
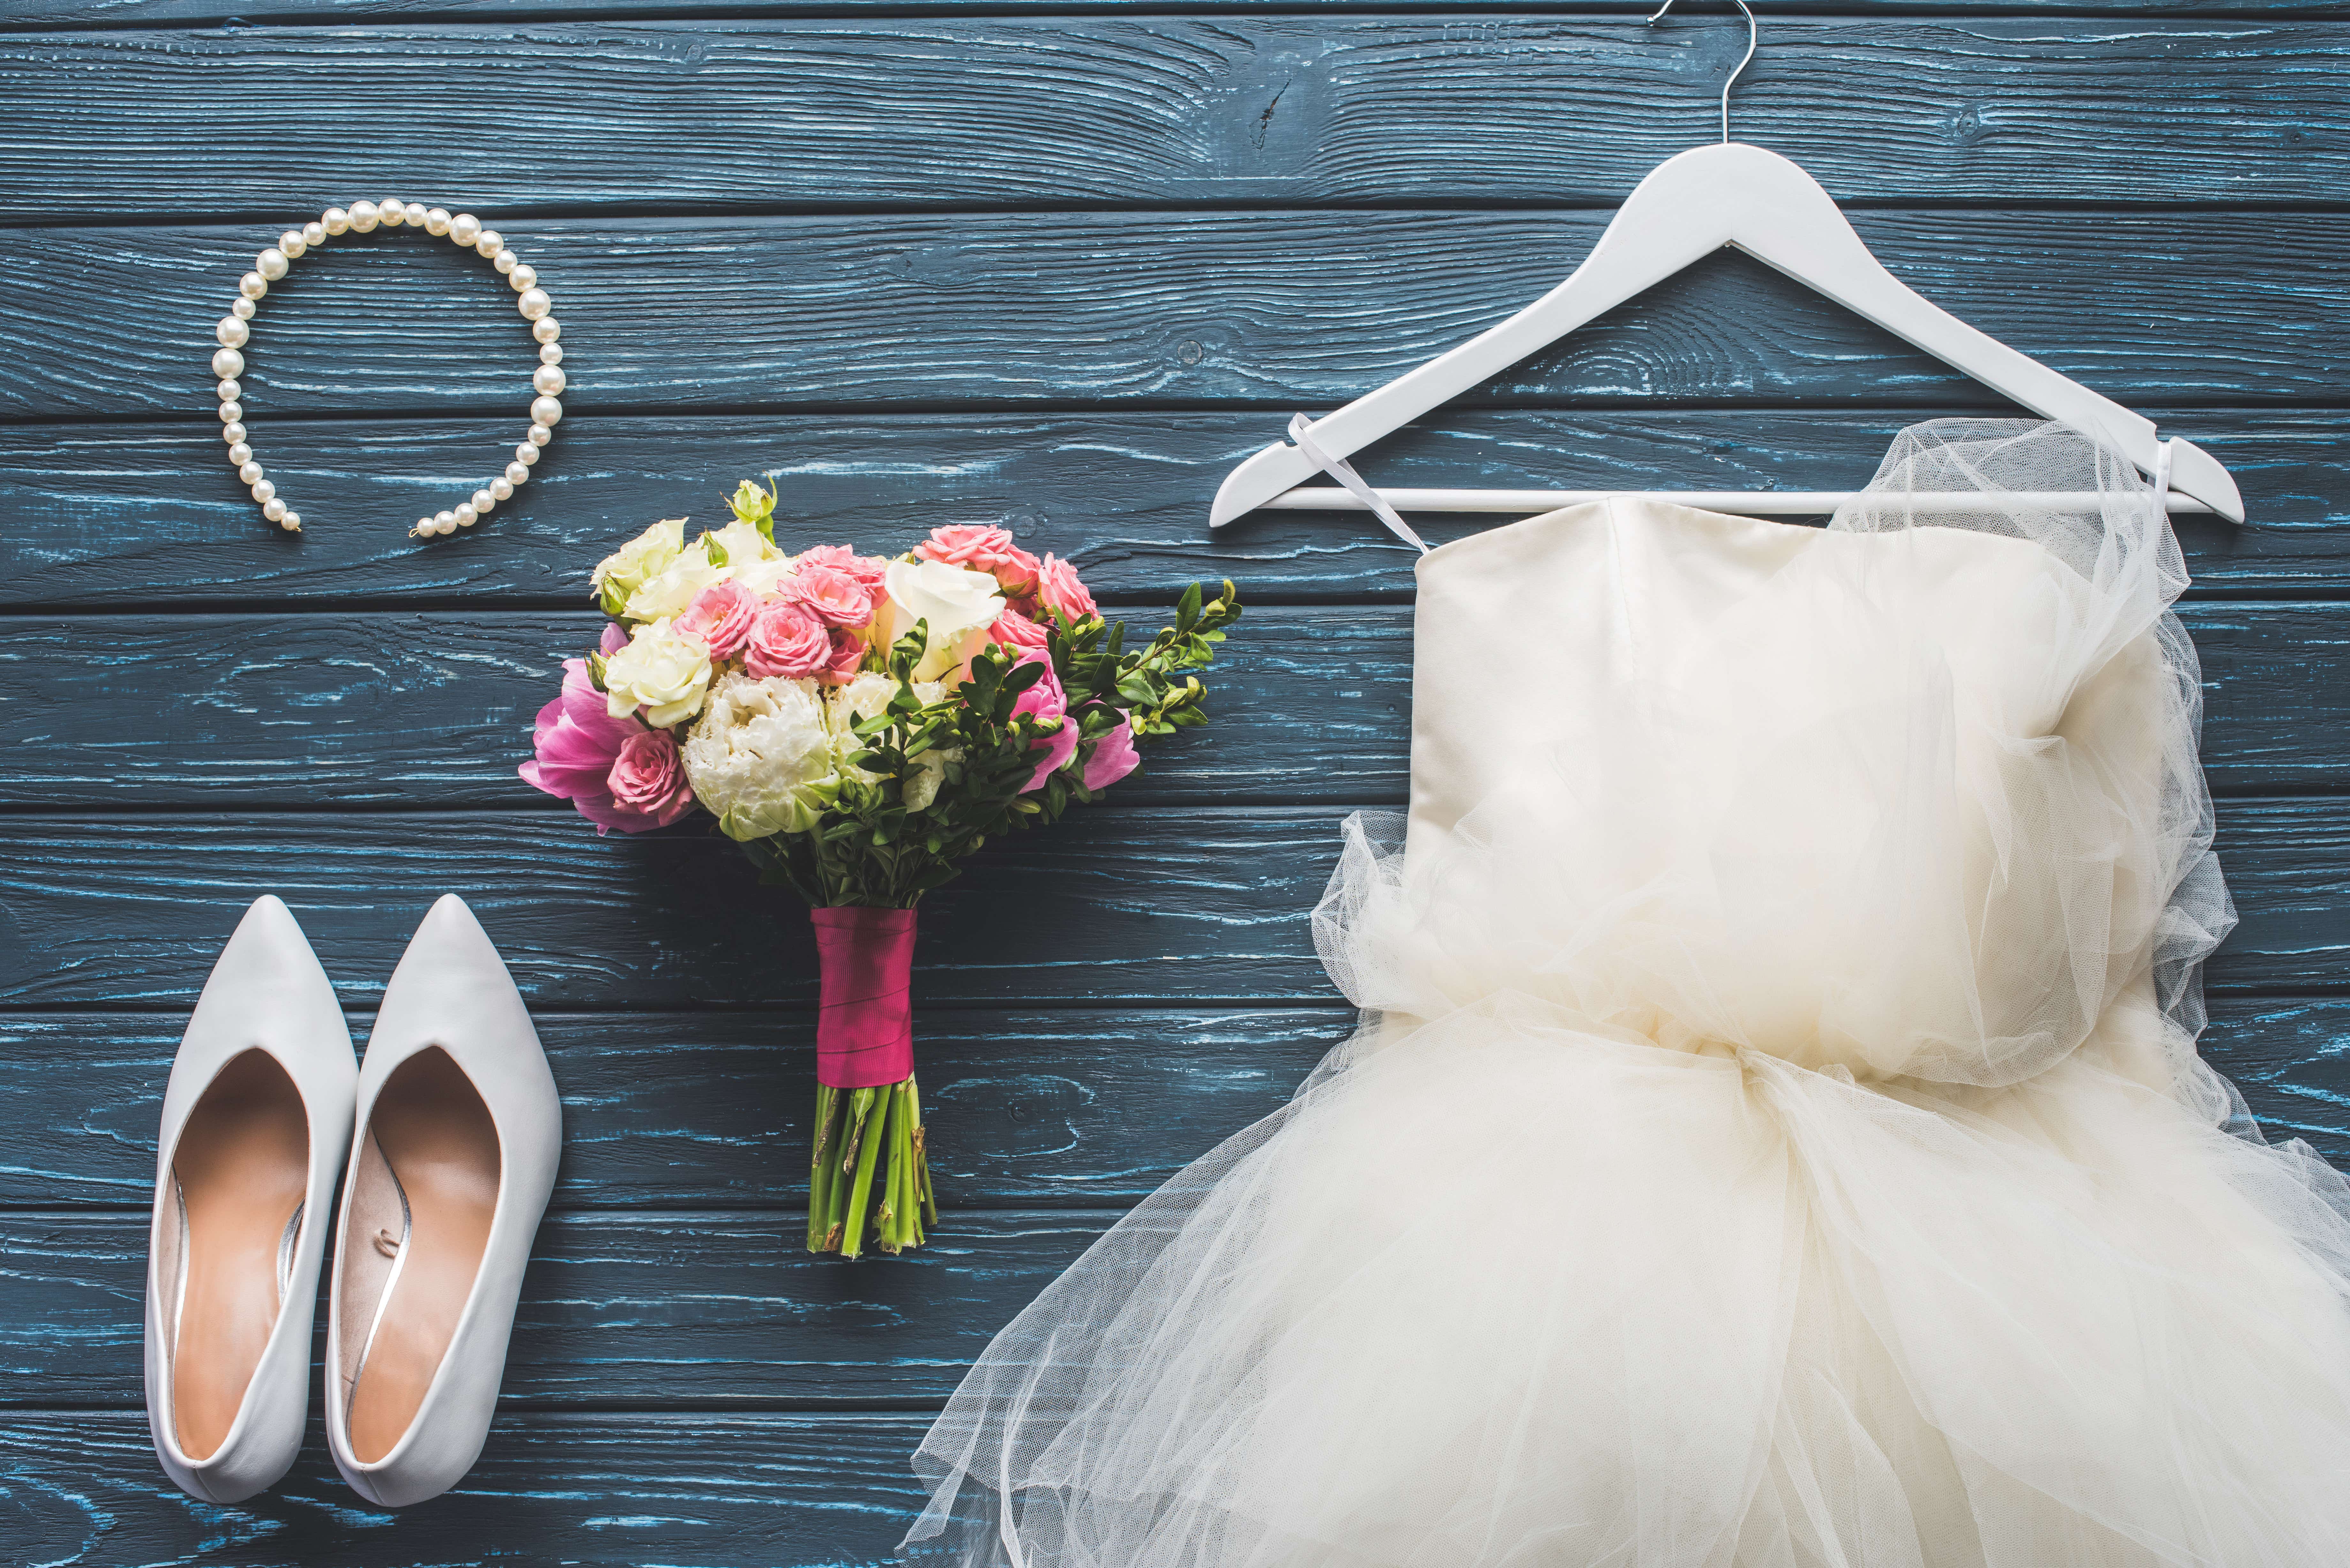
[1775, 1138]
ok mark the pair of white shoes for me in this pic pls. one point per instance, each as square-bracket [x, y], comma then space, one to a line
[451, 1129]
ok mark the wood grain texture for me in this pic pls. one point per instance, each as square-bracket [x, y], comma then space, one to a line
[1115, 907]
[104, 516]
[1280, 309]
[1041, 1107]
[37, 16]
[1066, 111]
[299, 712]
[689, 1489]
[619, 1309]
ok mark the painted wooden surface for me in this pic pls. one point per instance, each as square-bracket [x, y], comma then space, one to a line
[928, 262]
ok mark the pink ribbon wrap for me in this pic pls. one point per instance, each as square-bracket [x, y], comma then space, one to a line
[865, 1013]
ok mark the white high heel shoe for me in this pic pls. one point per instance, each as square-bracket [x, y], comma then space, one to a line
[256, 1123]
[459, 1132]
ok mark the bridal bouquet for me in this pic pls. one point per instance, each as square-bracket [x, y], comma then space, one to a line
[859, 724]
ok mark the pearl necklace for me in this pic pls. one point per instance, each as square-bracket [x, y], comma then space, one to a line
[463, 230]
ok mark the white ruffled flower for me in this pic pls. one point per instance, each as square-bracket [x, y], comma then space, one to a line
[666, 594]
[762, 758]
[662, 672]
[957, 604]
[626, 569]
[868, 695]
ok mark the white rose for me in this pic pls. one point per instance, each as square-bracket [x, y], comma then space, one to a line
[762, 577]
[868, 695]
[743, 546]
[623, 571]
[661, 671]
[762, 758]
[665, 596]
[955, 603]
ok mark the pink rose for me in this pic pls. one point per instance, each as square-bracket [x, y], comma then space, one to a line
[649, 778]
[787, 640]
[865, 569]
[973, 546]
[1045, 699]
[1114, 757]
[1017, 574]
[721, 615]
[847, 656]
[1014, 629]
[830, 595]
[1058, 586]
[578, 743]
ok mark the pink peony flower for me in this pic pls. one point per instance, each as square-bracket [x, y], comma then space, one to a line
[785, 640]
[830, 595]
[1114, 757]
[1014, 629]
[721, 616]
[649, 778]
[577, 743]
[865, 569]
[847, 656]
[1058, 586]
[1045, 699]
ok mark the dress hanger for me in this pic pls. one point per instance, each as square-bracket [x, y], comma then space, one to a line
[1690, 206]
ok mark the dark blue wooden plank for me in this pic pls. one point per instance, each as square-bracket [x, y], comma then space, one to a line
[1279, 309]
[619, 1310]
[703, 1488]
[1083, 111]
[1033, 1108]
[296, 712]
[1112, 906]
[100, 516]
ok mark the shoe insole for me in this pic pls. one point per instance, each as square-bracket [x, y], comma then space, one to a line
[436, 1135]
[242, 1168]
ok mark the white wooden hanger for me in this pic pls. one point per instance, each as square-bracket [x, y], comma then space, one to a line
[1688, 207]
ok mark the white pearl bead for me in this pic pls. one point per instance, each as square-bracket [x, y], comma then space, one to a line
[540, 435]
[550, 353]
[335, 220]
[239, 455]
[263, 490]
[516, 472]
[292, 242]
[271, 264]
[506, 262]
[490, 244]
[482, 502]
[232, 331]
[274, 509]
[233, 432]
[291, 522]
[228, 362]
[445, 520]
[466, 514]
[427, 527]
[242, 309]
[545, 411]
[546, 329]
[231, 412]
[252, 285]
[523, 277]
[525, 453]
[365, 216]
[534, 304]
[394, 211]
[436, 222]
[549, 379]
[249, 471]
[229, 391]
[502, 488]
[314, 233]
[465, 229]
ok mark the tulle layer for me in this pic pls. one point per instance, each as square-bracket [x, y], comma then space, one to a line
[1775, 1138]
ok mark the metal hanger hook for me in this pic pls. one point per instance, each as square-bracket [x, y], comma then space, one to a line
[1753, 35]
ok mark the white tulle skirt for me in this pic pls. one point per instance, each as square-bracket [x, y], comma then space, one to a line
[1775, 1140]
